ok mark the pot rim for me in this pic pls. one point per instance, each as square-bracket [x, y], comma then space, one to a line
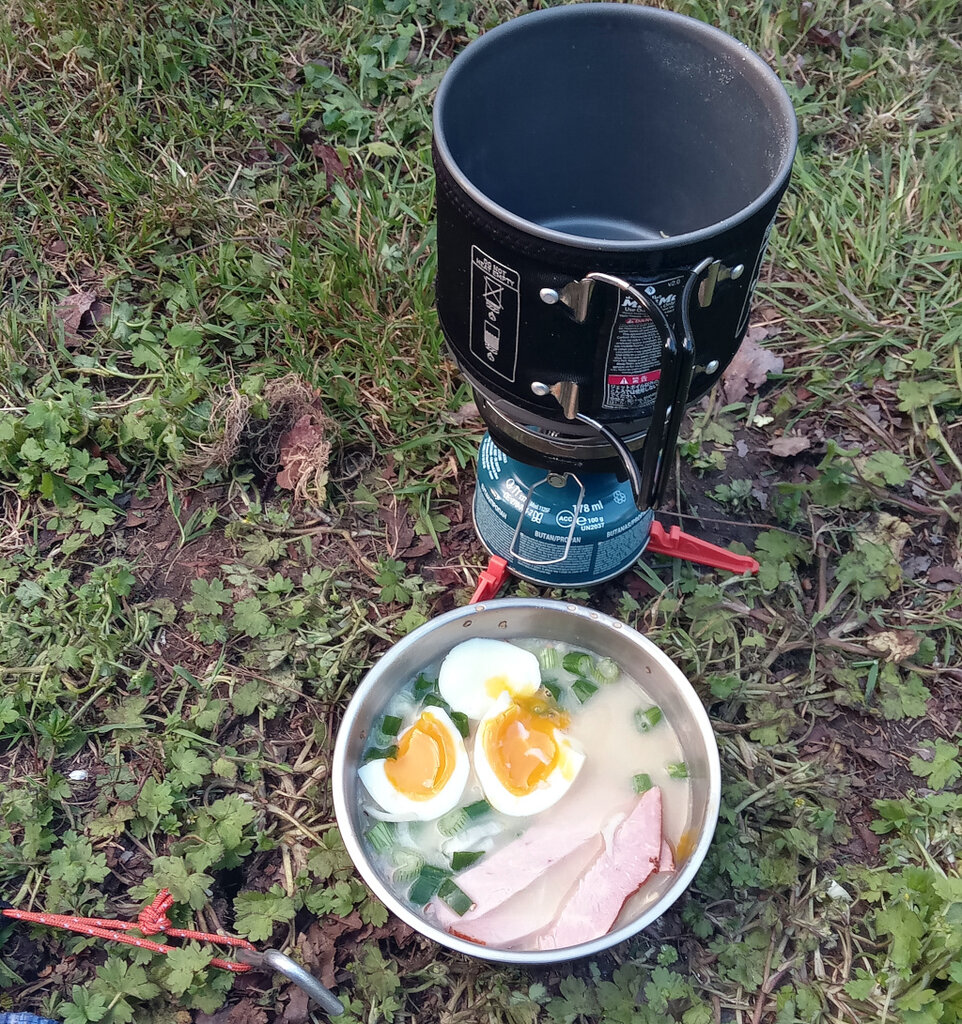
[355, 849]
[779, 181]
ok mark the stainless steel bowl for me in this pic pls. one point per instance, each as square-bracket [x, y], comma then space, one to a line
[516, 618]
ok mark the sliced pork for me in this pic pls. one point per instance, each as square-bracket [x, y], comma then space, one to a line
[528, 911]
[631, 855]
[500, 875]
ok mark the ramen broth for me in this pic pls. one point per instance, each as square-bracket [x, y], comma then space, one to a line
[616, 751]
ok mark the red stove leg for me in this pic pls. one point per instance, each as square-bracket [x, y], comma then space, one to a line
[676, 544]
[491, 580]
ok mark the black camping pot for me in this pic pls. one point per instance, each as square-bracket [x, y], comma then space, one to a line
[607, 178]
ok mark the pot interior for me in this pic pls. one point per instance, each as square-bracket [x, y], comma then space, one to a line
[614, 122]
[528, 618]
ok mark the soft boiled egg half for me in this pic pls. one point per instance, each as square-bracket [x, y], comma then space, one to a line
[427, 775]
[522, 757]
[475, 674]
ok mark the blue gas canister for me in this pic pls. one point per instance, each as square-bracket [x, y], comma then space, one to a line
[556, 529]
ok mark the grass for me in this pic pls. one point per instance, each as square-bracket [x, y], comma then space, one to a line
[239, 197]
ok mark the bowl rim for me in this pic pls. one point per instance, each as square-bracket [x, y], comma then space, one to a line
[354, 847]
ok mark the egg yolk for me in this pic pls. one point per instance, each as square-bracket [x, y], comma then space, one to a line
[685, 847]
[424, 761]
[494, 686]
[520, 744]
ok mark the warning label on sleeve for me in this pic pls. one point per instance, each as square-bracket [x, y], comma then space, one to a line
[634, 348]
[495, 313]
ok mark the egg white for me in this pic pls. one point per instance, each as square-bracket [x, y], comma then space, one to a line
[402, 807]
[546, 793]
[475, 673]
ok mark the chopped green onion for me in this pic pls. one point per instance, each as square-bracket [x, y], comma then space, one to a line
[423, 685]
[460, 902]
[465, 858]
[381, 836]
[642, 783]
[460, 720]
[549, 659]
[577, 662]
[434, 700]
[601, 670]
[583, 689]
[456, 821]
[391, 725]
[453, 822]
[554, 689]
[407, 864]
[605, 670]
[426, 885]
[677, 770]
[647, 718]
[379, 753]
[477, 810]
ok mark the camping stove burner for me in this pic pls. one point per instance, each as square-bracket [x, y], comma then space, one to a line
[547, 446]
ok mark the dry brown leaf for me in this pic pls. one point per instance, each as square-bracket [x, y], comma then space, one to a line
[825, 38]
[115, 464]
[789, 445]
[749, 369]
[297, 1004]
[244, 1012]
[424, 545]
[468, 413]
[829, 39]
[896, 645]
[331, 937]
[304, 453]
[944, 574]
[879, 757]
[282, 149]
[330, 161]
[320, 943]
[917, 565]
[80, 313]
[758, 332]
[398, 527]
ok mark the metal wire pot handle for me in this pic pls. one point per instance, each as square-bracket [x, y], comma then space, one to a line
[677, 365]
[515, 552]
